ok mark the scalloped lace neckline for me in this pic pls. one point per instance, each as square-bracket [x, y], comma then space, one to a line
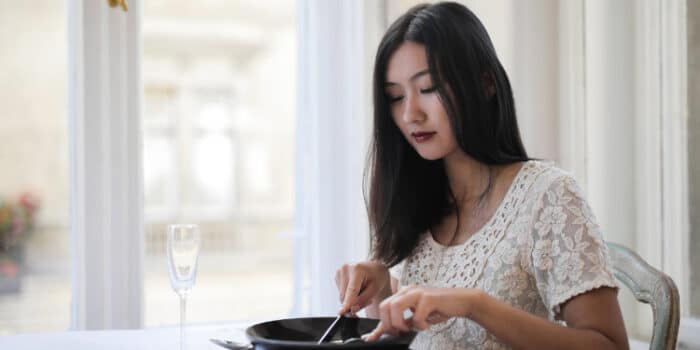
[490, 221]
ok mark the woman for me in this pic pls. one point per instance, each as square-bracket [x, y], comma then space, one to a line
[487, 248]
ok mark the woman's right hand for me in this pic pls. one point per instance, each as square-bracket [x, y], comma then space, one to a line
[360, 284]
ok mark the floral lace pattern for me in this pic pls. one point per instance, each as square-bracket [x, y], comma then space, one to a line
[541, 248]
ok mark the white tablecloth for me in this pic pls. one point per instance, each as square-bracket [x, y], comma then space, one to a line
[151, 339]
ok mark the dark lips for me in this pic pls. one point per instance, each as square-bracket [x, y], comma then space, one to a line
[422, 136]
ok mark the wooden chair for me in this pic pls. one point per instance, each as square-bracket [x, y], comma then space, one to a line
[650, 286]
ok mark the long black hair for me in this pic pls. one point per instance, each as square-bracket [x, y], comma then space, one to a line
[408, 194]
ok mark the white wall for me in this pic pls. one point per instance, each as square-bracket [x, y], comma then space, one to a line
[534, 74]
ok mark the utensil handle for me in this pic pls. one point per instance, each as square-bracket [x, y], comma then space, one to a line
[331, 330]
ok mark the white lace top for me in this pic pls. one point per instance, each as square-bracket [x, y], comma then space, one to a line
[542, 247]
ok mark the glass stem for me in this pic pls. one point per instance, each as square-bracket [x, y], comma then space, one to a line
[183, 297]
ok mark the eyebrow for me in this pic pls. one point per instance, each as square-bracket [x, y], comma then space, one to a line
[414, 77]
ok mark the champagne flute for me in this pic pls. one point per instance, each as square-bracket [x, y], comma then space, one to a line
[183, 252]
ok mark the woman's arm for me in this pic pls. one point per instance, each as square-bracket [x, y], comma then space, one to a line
[594, 319]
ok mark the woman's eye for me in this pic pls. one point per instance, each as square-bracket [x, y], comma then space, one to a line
[429, 90]
[394, 99]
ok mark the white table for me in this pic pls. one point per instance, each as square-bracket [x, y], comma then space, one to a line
[151, 338]
[147, 339]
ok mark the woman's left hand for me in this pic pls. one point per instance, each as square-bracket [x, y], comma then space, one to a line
[429, 306]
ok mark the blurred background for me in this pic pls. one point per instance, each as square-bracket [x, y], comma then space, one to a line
[218, 149]
[221, 91]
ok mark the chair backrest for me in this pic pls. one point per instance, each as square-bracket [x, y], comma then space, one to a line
[650, 286]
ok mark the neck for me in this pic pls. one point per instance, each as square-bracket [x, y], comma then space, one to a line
[468, 178]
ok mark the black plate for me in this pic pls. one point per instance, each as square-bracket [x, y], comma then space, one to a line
[304, 332]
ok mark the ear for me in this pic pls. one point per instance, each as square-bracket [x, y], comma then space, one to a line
[489, 84]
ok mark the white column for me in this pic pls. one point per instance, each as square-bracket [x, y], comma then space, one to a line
[674, 135]
[647, 141]
[648, 132]
[572, 90]
[332, 131]
[105, 165]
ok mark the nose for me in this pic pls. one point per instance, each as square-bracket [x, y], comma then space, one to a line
[412, 111]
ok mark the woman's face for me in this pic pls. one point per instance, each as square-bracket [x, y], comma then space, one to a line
[415, 104]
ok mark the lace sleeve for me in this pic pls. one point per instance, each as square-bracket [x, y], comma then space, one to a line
[397, 270]
[569, 256]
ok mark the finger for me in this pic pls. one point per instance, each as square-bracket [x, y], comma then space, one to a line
[365, 296]
[356, 279]
[337, 278]
[419, 315]
[426, 313]
[381, 329]
[375, 334]
[385, 310]
[342, 281]
[406, 289]
[400, 310]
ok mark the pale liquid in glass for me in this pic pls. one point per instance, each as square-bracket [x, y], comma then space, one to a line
[183, 252]
[183, 266]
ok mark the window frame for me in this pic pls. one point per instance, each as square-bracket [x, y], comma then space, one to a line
[106, 175]
[105, 108]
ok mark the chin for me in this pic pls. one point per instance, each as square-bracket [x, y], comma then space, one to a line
[431, 155]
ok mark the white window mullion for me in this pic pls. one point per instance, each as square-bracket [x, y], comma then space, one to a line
[133, 157]
[648, 134]
[105, 165]
[330, 220]
[649, 234]
[674, 122]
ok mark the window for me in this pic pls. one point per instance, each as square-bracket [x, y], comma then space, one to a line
[34, 262]
[218, 126]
